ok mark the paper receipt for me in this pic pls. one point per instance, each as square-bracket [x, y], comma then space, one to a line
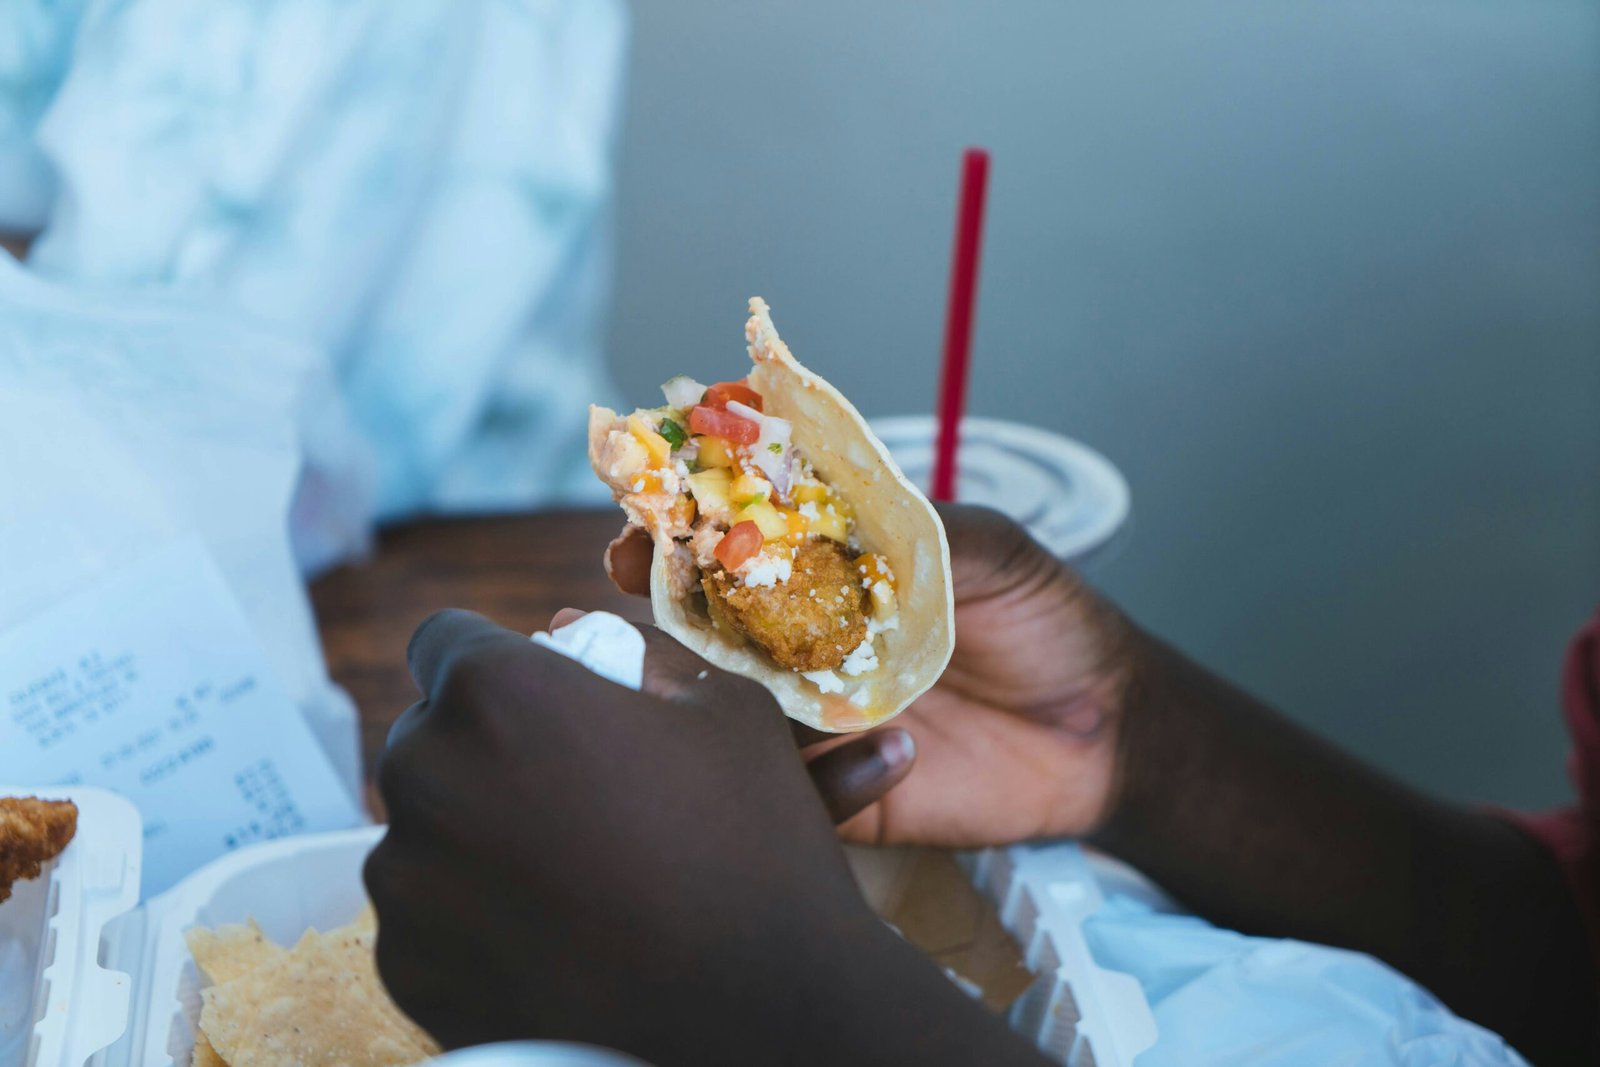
[152, 684]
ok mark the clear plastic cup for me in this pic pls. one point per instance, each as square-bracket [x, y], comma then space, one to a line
[1069, 496]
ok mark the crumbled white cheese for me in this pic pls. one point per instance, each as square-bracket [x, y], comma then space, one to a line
[826, 681]
[764, 570]
[809, 510]
[876, 627]
[862, 660]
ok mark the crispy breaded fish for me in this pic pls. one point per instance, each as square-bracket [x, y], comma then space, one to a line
[810, 622]
[32, 833]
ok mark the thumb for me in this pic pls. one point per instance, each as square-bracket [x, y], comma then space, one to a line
[858, 773]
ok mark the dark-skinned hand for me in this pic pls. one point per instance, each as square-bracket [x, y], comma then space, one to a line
[1019, 737]
[649, 871]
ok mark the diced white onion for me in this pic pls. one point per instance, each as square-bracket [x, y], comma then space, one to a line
[777, 464]
[682, 391]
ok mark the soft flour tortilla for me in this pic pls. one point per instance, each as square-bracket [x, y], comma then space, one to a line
[892, 518]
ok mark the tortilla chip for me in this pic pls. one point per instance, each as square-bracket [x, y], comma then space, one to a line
[321, 1002]
[364, 923]
[230, 951]
[204, 1054]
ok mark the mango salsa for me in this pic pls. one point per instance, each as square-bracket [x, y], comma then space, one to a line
[710, 489]
[772, 524]
[811, 493]
[883, 601]
[656, 446]
[715, 452]
[831, 522]
[649, 482]
[874, 568]
[749, 488]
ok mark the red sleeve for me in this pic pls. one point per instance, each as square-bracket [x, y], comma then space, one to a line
[1573, 834]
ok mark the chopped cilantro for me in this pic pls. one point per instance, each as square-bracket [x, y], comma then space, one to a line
[775, 448]
[673, 433]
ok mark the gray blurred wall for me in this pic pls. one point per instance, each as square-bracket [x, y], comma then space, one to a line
[1322, 278]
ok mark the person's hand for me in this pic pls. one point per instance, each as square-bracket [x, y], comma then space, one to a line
[650, 871]
[1018, 739]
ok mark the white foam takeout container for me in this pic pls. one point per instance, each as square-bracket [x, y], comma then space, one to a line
[1077, 1012]
[57, 1005]
[90, 976]
[95, 978]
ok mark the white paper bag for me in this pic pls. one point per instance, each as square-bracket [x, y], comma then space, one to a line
[128, 422]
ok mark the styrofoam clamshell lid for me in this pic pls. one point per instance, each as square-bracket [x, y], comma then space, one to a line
[58, 1005]
[1077, 1012]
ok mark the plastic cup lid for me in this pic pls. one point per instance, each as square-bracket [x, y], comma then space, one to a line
[537, 1054]
[1070, 497]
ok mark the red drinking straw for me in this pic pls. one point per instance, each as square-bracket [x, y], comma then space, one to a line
[958, 320]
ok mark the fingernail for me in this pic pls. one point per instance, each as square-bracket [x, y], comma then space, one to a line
[1083, 716]
[897, 749]
[565, 617]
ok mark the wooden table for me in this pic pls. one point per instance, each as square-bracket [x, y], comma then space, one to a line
[517, 569]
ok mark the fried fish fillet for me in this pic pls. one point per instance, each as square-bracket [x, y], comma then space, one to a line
[810, 622]
[32, 833]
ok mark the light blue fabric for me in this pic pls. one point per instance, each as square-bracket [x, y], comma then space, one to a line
[35, 46]
[1224, 998]
[421, 190]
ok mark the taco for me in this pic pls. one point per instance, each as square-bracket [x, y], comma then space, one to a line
[789, 547]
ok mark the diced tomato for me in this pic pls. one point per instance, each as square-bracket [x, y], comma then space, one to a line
[718, 395]
[719, 423]
[738, 544]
